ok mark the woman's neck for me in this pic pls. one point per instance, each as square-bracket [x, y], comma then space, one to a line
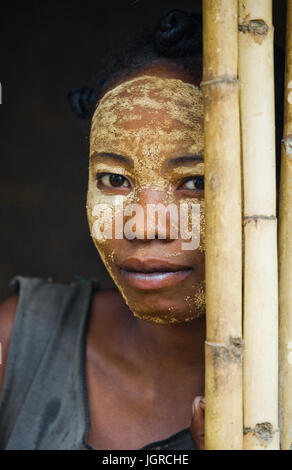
[158, 354]
[170, 346]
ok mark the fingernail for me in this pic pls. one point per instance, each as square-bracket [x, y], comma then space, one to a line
[195, 404]
[203, 400]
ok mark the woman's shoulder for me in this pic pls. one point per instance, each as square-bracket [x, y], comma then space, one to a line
[41, 308]
[34, 310]
[7, 315]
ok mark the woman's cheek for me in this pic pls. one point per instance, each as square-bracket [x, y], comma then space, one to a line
[100, 216]
[196, 222]
[105, 219]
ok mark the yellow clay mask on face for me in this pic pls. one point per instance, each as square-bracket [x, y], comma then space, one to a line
[148, 118]
[140, 130]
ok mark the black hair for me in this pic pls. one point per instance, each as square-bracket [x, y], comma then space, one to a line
[177, 37]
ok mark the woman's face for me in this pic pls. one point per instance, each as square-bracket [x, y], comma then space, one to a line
[146, 155]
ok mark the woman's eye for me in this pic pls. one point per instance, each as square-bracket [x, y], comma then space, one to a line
[112, 180]
[194, 183]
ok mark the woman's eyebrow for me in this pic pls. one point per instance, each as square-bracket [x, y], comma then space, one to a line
[185, 160]
[112, 156]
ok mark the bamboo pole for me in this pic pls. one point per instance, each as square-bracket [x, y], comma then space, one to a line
[223, 346]
[285, 252]
[260, 363]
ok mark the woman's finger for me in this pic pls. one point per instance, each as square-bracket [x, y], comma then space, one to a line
[197, 424]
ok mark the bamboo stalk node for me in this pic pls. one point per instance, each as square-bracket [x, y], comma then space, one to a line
[219, 80]
[263, 431]
[255, 27]
[256, 218]
[227, 352]
[288, 144]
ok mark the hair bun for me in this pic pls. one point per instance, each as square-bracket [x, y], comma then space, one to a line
[179, 34]
[82, 101]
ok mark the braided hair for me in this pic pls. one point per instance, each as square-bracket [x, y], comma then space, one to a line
[177, 37]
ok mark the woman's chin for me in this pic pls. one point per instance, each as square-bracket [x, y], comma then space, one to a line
[160, 309]
[162, 298]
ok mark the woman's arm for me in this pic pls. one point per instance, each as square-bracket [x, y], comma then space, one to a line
[7, 315]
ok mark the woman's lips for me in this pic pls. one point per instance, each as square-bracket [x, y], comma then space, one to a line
[154, 280]
[152, 274]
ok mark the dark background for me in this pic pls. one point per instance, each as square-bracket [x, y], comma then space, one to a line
[46, 49]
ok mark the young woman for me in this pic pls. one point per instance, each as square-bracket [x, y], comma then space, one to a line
[122, 369]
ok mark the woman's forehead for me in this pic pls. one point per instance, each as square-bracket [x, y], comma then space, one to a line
[153, 86]
[149, 112]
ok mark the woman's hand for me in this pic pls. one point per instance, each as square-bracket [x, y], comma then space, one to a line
[197, 424]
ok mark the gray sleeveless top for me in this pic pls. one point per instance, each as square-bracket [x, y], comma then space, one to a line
[44, 402]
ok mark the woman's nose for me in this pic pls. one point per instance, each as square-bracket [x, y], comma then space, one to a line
[151, 217]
